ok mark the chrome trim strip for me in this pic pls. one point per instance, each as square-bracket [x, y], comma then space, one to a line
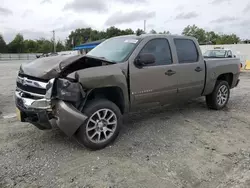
[42, 104]
[27, 82]
[33, 94]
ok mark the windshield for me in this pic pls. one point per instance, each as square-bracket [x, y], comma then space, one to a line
[215, 53]
[115, 49]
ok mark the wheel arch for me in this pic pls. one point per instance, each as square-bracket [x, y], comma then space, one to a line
[113, 93]
[226, 77]
[213, 78]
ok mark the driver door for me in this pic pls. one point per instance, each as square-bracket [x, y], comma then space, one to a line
[156, 83]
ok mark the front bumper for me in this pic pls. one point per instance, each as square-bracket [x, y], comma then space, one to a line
[45, 113]
[38, 112]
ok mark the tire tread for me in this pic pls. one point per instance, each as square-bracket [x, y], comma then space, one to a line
[90, 108]
[211, 100]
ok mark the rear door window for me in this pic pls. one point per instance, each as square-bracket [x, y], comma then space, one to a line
[186, 51]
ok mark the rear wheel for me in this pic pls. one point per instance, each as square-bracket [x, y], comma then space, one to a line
[218, 99]
[103, 125]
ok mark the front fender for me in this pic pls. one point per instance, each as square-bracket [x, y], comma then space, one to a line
[104, 76]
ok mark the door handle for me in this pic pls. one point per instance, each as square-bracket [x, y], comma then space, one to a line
[198, 69]
[170, 72]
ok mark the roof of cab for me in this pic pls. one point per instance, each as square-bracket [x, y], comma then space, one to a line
[142, 36]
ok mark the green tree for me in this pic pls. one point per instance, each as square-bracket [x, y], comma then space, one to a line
[78, 37]
[139, 32]
[194, 31]
[153, 32]
[17, 45]
[94, 35]
[128, 32]
[113, 32]
[3, 46]
[165, 32]
[30, 46]
[211, 37]
[44, 46]
[59, 46]
[228, 39]
[82, 35]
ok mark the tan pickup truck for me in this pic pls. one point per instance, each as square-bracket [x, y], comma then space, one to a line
[86, 96]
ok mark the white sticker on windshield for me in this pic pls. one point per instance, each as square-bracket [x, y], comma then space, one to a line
[133, 41]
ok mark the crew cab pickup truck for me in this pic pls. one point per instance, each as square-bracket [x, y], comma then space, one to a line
[87, 95]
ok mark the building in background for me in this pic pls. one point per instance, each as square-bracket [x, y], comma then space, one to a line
[86, 47]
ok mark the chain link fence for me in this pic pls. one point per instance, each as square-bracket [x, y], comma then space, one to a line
[23, 56]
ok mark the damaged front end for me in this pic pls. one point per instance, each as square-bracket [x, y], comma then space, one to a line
[67, 97]
[58, 106]
[53, 91]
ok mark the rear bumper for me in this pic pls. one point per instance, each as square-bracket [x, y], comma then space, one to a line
[44, 113]
[237, 83]
[236, 80]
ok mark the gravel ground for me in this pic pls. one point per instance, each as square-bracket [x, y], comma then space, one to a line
[184, 146]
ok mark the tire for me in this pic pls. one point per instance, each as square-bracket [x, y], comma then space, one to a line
[213, 101]
[99, 128]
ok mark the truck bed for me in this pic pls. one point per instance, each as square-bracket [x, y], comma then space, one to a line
[216, 67]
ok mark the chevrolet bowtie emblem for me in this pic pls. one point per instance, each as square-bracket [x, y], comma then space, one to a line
[25, 81]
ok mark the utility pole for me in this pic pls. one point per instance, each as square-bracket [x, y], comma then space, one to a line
[54, 41]
[144, 26]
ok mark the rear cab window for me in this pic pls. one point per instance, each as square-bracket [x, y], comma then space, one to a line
[186, 51]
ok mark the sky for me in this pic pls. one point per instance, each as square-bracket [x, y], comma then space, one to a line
[37, 18]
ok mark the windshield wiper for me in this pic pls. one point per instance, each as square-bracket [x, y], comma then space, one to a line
[102, 58]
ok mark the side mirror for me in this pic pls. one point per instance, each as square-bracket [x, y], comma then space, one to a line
[145, 59]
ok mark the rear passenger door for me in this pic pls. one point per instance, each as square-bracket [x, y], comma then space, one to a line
[191, 68]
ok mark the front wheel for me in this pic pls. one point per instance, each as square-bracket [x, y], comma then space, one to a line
[218, 99]
[103, 125]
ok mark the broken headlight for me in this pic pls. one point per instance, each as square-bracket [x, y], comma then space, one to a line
[68, 91]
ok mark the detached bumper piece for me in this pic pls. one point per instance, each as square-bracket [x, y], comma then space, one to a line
[68, 118]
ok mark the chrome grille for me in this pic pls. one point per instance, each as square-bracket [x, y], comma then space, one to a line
[31, 87]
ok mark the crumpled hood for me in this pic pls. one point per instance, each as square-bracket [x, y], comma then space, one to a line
[48, 67]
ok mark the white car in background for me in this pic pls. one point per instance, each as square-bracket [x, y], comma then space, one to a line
[68, 52]
[221, 53]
